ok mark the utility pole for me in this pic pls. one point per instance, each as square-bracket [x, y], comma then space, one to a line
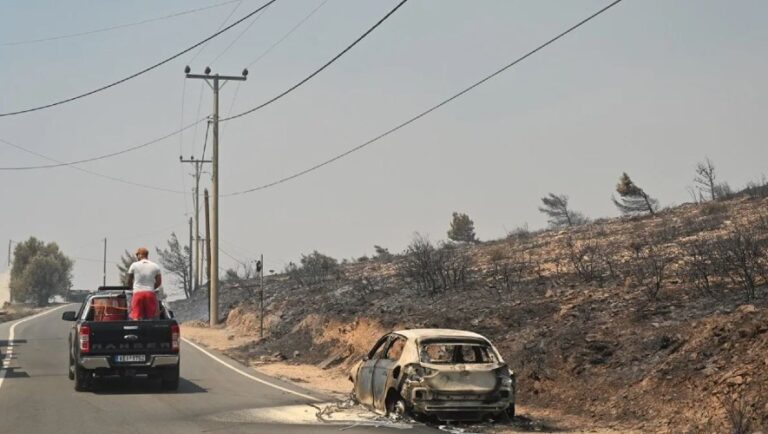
[9, 252]
[260, 269]
[214, 81]
[208, 252]
[196, 202]
[191, 270]
[104, 271]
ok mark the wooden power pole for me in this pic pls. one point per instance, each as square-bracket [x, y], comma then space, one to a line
[215, 82]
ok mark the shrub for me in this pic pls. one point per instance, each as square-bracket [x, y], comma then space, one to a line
[313, 269]
[757, 189]
[743, 258]
[699, 265]
[382, 253]
[648, 265]
[589, 260]
[520, 233]
[434, 268]
[506, 271]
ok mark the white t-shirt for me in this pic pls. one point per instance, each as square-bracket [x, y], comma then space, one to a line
[144, 273]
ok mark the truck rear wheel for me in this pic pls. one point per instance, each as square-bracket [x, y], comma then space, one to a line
[71, 368]
[170, 378]
[82, 378]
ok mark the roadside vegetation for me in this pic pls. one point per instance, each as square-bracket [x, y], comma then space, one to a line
[40, 271]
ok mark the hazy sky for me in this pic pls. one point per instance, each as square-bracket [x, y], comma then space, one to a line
[650, 88]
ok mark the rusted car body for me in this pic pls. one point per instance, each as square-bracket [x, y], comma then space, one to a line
[448, 374]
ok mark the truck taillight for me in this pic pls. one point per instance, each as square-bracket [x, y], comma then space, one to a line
[84, 337]
[175, 336]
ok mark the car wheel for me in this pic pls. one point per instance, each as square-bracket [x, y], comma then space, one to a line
[511, 411]
[508, 415]
[71, 368]
[397, 408]
[170, 378]
[82, 378]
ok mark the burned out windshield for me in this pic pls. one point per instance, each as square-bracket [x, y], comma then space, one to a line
[456, 353]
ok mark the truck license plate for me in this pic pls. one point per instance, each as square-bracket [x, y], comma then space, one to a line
[131, 358]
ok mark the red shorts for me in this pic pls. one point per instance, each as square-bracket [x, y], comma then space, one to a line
[143, 305]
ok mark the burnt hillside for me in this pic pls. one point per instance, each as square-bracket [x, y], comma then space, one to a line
[657, 323]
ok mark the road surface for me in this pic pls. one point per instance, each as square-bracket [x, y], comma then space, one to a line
[216, 394]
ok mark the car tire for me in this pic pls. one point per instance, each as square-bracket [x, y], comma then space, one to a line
[508, 415]
[396, 406]
[82, 378]
[71, 368]
[511, 411]
[170, 378]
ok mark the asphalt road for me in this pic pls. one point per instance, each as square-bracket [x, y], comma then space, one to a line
[216, 394]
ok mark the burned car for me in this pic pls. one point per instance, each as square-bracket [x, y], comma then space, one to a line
[448, 374]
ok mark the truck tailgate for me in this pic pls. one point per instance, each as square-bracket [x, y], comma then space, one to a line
[130, 337]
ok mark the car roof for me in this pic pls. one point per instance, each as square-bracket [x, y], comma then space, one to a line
[438, 333]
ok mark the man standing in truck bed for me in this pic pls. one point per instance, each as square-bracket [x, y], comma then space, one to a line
[144, 277]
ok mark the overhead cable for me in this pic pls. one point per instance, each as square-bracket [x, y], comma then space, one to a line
[272, 47]
[319, 70]
[90, 172]
[425, 112]
[143, 71]
[285, 36]
[100, 157]
[223, 23]
[115, 27]
[173, 133]
[237, 38]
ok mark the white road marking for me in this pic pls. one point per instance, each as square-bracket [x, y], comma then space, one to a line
[8, 354]
[245, 374]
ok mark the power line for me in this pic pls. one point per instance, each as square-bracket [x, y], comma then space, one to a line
[223, 23]
[173, 133]
[425, 112]
[100, 157]
[319, 70]
[273, 46]
[232, 257]
[285, 36]
[93, 260]
[90, 172]
[115, 27]
[239, 249]
[143, 71]
[237, 38]
[205, 140]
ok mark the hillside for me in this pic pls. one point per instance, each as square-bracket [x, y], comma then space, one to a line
[653, 323]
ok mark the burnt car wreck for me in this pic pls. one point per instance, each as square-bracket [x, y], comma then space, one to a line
[441, 373]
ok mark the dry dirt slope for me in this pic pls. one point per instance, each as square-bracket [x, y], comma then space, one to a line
[575, 319]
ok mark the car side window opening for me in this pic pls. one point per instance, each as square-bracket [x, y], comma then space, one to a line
[395, 349]
[463, 352]
[378, 351]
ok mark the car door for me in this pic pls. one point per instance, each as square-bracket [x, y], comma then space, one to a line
[386, 371]
[364, 380]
